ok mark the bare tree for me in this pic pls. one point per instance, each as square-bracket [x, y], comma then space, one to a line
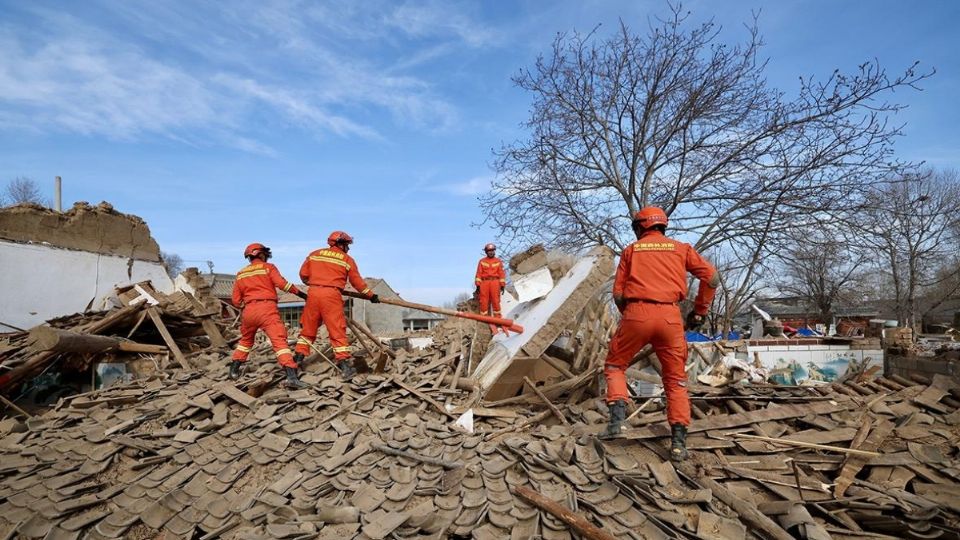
[172, 263]
[912, 227]
[22, 190]
[822, 268]
[677, 119]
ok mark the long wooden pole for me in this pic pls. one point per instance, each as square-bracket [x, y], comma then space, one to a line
[507, 323]
[575, 521]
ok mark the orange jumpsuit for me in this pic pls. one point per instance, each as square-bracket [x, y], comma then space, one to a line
[326, 271]
[255, 290]
[491, 277]
[651, 279]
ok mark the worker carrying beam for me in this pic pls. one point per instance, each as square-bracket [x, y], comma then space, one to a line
[255, 291]
[491, 280]
[327, 271]
[651, 280]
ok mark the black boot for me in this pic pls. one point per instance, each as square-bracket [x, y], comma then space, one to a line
[347, 371]
[235, 370]
[678, 442]
[298, 358]
[618, 412]
[292, 381]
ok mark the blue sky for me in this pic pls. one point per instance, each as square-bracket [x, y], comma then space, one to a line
[224, 123]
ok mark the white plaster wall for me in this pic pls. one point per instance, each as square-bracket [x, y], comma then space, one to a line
[829, 359]
[40, 282]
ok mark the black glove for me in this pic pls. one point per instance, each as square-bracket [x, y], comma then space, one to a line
[301, 294]
[694, 321]
[375, 299]
[502, 289]
[620, 302]
[477, 291]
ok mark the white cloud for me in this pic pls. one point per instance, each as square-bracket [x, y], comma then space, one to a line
[473, 186]
[203, 73]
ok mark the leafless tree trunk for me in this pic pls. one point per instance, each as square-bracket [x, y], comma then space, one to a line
[912, 225]
[676, 119]
[22, 190]
[822, 266]
[172, 263]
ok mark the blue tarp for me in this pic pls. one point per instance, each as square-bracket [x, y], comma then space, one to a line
[696, 337]
[807, 332]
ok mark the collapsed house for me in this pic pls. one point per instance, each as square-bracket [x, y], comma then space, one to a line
[69, 262]
[471, 436]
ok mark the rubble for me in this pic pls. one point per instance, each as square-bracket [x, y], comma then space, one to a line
[420, 445]
[187, 454]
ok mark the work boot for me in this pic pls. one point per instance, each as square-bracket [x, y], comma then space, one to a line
[678, 442]
[347, 371]
[292, 381]
[235, 370]
[618, 412]
[298, 358]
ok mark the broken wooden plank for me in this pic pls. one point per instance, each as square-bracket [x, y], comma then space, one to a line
[553, 408]
[855, 462]
[788, 442]
[728, 421]
[213, 332]
[235, 394]
[154, 315]
[416, 457]
[576, 522]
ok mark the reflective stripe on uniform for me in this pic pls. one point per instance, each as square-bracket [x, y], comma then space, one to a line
[320, 258]
[365, 291]
[283, 351]
[305, 341]
[251, 273]
[341, 349]
[286, 288]
[241, 348]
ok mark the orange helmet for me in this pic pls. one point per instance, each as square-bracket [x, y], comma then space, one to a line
[337, 237]
[490, 247]
[650, 216]
[255, 249]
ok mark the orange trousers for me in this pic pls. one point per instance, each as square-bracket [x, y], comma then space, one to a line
[263, 314]
[661, 326]
[490, 297]
[324, 306]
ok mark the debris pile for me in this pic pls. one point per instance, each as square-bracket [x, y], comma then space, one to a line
[146, 324]
[468, 437]
[186, 454]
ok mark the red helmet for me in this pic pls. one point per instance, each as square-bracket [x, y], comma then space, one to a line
[255, 249]
[490, 247]
[650, 216]
[337, 237]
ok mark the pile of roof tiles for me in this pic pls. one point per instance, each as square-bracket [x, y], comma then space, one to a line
[189, 454]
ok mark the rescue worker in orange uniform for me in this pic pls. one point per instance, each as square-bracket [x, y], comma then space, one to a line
[651, 280]
[255, 291]
[327, 271]
[491, 280]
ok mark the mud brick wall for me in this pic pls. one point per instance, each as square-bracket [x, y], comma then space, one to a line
[926, 366]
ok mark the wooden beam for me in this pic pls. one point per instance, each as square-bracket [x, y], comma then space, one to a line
[576, 522]
[154, 315]
[727, 421]
[553, 408]
[14, 406]
[46, 338]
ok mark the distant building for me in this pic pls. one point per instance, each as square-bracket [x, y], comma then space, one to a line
[793, 311]
[415, 319]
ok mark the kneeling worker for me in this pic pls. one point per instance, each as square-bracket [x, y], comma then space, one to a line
[651, 280]
[255, 291]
